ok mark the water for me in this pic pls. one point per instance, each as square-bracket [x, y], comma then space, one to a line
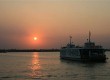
[48, 66]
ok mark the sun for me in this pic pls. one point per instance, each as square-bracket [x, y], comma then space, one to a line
[35, 38]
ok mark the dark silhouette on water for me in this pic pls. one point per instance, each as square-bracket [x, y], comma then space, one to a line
[89, 52]
[28, 50]
[34, 50]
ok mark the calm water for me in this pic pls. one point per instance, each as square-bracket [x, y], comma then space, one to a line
[48, 66]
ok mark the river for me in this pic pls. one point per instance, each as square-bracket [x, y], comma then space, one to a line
[48, 66]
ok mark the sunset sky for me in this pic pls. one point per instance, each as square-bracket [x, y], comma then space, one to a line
[52, 22]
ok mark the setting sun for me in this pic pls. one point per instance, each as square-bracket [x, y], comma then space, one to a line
[35, 38]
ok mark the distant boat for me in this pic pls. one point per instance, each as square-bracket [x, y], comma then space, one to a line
[89, 52]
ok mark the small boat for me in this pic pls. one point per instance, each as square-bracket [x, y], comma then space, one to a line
[89, 52]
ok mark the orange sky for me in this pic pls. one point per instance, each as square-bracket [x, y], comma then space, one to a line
[53, 21]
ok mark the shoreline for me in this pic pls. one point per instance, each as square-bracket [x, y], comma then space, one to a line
[29, 50]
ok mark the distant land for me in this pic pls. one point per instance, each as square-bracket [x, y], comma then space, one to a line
[28, 50]
[33, 50]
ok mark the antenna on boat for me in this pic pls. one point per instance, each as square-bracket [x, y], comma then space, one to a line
[89, 36]
[70, 39]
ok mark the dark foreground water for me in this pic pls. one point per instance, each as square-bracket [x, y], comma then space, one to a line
[48, 66]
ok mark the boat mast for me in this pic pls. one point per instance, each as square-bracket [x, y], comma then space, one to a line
[89, 36]
[70, 40]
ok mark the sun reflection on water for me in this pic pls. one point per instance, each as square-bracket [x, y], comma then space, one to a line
[35, 66]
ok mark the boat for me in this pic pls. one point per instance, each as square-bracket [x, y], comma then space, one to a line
[89, 52]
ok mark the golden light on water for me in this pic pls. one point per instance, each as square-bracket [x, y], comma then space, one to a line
[35, 67]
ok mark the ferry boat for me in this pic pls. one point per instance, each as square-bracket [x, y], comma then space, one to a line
[89, 52]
